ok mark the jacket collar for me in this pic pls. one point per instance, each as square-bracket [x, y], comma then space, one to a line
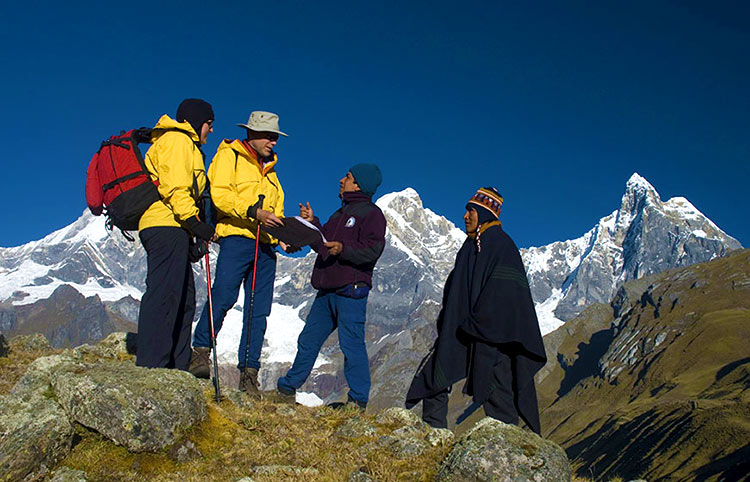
[244, 148]
[355, 197]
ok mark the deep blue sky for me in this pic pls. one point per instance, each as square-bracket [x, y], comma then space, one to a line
[555, 103]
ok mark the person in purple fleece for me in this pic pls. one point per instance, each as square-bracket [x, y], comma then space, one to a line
[343, 277]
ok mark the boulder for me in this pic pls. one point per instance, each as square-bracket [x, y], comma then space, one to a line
[142, 409]
[37, 380]
[34, 435]
[493, 450]
[35, 342]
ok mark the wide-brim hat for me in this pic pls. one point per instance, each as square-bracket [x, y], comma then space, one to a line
[260, 121]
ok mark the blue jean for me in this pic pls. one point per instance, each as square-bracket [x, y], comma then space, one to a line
[328, 312]
[233, 268]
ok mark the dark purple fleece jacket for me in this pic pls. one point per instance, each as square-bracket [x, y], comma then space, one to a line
[360, 226]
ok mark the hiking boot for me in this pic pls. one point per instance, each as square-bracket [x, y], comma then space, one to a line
[200, 366]
[249, 382]
[281, 395]
[350, 405]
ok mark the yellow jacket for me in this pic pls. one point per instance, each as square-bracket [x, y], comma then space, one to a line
[177, 162]
[237, 178]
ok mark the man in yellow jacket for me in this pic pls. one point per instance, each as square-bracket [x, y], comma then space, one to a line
[176, 162]
[240, 172]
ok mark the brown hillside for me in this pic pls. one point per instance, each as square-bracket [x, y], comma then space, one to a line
[659, 387]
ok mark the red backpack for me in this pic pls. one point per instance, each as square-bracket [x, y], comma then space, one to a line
[117, 181]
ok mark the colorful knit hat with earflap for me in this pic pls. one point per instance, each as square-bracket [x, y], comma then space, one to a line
[487, 202]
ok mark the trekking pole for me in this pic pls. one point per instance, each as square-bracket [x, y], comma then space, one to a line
[258, 205]
[217, 389]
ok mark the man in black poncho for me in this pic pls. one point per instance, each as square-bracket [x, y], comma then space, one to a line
[487, 329]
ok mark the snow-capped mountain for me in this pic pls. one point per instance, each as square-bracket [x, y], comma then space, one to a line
[643, 236]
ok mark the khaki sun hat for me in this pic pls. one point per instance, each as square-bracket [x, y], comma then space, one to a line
[260, 121]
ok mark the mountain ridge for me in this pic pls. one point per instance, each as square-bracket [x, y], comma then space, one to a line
[408, 281]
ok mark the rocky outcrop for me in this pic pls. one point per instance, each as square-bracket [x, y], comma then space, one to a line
[97, 386]
[141, 409]
[493, 450]
[34, 435]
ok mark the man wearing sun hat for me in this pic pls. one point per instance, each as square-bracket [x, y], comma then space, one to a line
[241, 171]
[343, 277]
[488, 331]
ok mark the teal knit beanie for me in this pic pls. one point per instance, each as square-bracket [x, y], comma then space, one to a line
[368, 177]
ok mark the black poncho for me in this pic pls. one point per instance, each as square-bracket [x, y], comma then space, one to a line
[487, 309]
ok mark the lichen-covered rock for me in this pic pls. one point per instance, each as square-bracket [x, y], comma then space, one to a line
[184, 452]
[4, 348]
[140, 408]
[38, 376]
[239, 398]
[359, 476]
[493, 450]
[439, 436]
[403, 447]
[409, 431]
[286, 410]
[34, 435]
[35, 342]
[356, 427]
[284, 470]
[398, 416]
[65, 474]
[118, 344]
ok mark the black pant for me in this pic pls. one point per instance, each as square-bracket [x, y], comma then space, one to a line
[500, 405]
[168, 305]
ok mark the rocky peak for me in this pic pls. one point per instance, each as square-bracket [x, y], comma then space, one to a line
[424, 235]
[644, 236]
[638, 192]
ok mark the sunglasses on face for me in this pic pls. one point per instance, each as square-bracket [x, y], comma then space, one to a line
[271, 136]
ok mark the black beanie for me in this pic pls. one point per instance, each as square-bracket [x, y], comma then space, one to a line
[196, 112]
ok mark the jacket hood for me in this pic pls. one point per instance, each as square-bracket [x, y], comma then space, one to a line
[166, 122]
